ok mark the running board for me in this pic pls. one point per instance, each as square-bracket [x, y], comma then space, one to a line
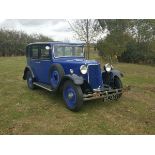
[42, 85]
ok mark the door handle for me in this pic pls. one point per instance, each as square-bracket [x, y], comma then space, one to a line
[37, 62]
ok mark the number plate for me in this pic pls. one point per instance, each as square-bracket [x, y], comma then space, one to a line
[110, 97]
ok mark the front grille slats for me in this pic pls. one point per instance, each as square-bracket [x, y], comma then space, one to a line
[94, 76]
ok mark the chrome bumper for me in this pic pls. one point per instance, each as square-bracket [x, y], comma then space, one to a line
[106, 95]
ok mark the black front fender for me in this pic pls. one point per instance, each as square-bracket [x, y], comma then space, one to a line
[116, 73]
[77, 80]
[108, 77]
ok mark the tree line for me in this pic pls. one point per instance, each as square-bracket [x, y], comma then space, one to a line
[126, 40]
[13, 43]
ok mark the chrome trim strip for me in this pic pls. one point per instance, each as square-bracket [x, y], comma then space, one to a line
[100, 95]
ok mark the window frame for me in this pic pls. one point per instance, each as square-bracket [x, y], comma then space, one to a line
[49, 58]
[68, 45]
[32, 52]
[38, 46]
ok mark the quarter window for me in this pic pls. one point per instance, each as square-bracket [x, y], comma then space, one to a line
[35, 52]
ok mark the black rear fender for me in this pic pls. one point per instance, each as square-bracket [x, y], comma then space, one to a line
[27, 68]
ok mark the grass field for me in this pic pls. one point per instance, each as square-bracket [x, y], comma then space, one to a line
[23, 111]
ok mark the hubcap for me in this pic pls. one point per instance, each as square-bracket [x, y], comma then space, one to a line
[55, 78]
[30, 81]
[70, 97]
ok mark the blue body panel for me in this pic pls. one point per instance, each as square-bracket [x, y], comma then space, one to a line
[41, 70]
[44, 70]
[34, 64]
[41, 67]
[93, 77]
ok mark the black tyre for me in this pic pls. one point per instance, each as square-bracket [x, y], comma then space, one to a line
[29, 79]
[73, 96]
[118, 85]
[55, 75]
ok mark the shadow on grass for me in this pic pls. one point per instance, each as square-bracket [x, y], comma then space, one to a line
[97, 104]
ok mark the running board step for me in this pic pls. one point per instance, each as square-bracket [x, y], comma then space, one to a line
[42, 85]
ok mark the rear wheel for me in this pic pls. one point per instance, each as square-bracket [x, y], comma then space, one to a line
[29, 80]
[56, 75]
[73, 96]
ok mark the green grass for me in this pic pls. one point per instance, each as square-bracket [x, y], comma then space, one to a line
[23, 111]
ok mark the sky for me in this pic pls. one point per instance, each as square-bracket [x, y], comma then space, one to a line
[58, 29]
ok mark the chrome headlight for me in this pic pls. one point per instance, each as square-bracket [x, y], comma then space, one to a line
[107, 67]
[83, 69]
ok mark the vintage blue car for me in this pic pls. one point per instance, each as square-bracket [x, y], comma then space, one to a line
[62, 67]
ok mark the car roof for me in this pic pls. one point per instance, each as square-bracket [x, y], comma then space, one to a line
[56, 42]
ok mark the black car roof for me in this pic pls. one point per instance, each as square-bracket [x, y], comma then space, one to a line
[55, 42]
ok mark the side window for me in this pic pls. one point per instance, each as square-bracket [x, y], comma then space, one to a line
[59, 51]
[34, 52]
[44, 52]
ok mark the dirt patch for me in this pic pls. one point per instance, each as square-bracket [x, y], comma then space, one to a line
[126, 88]
[149, 88]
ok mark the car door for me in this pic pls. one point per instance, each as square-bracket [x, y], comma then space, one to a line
[45, 62]
[35, 61]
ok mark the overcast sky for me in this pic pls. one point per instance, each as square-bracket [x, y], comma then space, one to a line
[58, 29]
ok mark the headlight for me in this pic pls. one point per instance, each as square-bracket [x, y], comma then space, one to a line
[83, 69]
[107, 67]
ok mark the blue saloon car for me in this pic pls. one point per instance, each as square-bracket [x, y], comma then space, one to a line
[62, 67]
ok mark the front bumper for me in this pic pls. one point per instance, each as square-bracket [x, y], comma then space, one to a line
[112, 94]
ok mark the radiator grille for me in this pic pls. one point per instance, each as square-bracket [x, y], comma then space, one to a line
[95, 77]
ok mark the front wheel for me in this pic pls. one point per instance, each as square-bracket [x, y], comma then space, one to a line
[118, 85]
[73, 96]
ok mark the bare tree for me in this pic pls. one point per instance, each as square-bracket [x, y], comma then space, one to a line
[87, 30]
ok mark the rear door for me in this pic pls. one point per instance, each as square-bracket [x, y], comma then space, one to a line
[45, 62]
[35, 61]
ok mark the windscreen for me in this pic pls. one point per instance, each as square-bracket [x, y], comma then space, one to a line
[68, 51]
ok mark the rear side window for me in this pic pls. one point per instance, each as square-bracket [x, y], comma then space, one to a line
[44, 52]
[34, 52]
